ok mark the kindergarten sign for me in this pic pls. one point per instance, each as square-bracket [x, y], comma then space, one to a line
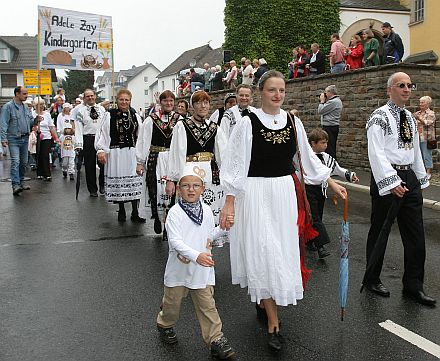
[74, 40]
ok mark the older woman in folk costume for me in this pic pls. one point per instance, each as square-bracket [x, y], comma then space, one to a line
[115, 147]
[152, 152]
[263, 152]
[201, 142]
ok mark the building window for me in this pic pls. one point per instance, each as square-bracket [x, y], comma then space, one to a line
[146, 79]
[146, 91]
[9, 80]
[163, 85]
[419, 10]
[4, 56]
[174, 84]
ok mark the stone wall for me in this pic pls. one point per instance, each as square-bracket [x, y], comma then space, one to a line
[361, 91]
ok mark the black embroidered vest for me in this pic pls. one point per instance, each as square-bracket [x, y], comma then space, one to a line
[272, 150]
[163, 131]
[123, 128]
[199, 139]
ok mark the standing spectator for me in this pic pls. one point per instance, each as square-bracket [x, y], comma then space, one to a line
[337, 51]
[207, 76]
[302, 59]
[217, 79]
[397, 174]
[426, 127]
[47, 135]
[15, 125]
[262, 68]
[116, 149]
[255, 66]
[316, 65]
[247, 72]
[231, 76]
[371, 48]
[392, 45]
[88, 122]
[354, 53]
[330, 109]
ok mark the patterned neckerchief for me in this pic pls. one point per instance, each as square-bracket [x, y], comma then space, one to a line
[193, 210]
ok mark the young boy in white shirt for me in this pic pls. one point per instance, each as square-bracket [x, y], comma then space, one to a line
[190, 265]
[318, 139]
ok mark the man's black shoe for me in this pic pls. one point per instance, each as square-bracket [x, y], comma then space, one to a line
[323, 252]
[25, 187]
[420, 297]
[94, 194]
[135, 218]
[167, 335]
[378, 288]
[221, 349]
[157, 226]
[101, 190]
[275, 340]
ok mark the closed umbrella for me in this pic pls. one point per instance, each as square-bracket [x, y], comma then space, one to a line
[343, 262]
[79, 162]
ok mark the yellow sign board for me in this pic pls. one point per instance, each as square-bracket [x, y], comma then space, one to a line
[30, 79]
[33, 89]
[34, 73]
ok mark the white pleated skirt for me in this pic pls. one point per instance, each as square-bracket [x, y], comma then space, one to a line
[264, 247]
[122, 184]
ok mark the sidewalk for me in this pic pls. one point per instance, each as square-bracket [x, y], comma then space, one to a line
[431, 195]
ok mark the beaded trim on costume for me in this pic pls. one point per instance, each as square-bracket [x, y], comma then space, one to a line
[202, 136]
[166, 128]
[387, 181]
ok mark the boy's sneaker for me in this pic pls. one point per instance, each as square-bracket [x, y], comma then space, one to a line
[221, 349]
[167, 335]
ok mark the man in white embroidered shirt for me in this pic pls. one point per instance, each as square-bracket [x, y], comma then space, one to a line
[397, 174]
[88, 123]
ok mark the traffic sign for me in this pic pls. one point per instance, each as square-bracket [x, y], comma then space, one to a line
[33, 89]
[34, 73]
[30, 79]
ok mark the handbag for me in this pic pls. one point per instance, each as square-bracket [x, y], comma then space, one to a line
[431, 144]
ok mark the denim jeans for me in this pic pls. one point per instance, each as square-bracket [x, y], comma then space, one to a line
[18, 150]
[426, 155]
[337, 68]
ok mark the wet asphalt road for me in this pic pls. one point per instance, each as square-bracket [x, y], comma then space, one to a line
[75, 285]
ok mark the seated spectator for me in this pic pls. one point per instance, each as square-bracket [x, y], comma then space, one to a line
[262, 68]
[217, 79]
[316, 65]
[291, 65]
[354, 54]
[302, 59]
[197, 80]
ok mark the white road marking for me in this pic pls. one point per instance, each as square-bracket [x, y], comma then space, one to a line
[412, 337]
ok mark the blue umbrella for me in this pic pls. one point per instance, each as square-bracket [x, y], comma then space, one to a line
[343, 264]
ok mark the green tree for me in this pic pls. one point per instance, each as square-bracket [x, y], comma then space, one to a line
[76, 81]
[270, 29]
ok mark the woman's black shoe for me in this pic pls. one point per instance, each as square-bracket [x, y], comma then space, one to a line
[122, 216]
[135, 218]
[275, 340]
[261, 313]
[157, 226]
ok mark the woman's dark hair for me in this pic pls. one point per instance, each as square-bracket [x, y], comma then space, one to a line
[184, 102]
[166, 94]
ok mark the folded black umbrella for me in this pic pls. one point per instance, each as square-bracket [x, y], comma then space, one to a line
[79, 163]
[382, 240]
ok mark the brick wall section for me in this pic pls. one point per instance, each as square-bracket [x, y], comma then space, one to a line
[361, 91]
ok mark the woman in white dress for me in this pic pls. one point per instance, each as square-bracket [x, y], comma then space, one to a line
[261, 201]
[116, 149]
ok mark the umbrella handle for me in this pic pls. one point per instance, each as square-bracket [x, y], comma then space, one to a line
[335, 202]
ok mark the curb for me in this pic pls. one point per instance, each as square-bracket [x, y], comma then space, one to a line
[427, 203]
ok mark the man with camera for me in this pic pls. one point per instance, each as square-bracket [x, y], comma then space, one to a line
[330, 110]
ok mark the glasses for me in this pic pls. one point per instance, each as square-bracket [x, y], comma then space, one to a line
[403, 85]
[187, 186]
[202, 103]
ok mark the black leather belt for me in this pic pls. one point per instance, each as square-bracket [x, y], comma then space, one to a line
[402, 167]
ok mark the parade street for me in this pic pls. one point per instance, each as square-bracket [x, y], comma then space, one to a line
[76, 285]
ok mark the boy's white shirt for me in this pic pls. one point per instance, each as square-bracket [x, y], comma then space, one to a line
[333, 165]
[186, 241]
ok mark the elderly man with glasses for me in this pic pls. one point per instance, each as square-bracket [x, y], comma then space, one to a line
[398, 177]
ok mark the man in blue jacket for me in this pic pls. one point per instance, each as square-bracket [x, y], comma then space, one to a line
[392, 45]
[15, 124]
